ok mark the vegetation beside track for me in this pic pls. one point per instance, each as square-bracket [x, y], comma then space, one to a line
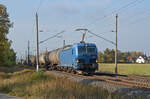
[39, 85]
[30, 84]
[129, 69]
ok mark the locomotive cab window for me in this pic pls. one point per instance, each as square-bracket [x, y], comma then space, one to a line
[91, 50]
[87, 50]
[81, 50]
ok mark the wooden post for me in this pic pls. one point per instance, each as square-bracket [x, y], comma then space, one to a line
[116, 45]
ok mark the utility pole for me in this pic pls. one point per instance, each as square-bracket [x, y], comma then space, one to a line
[37, 43]
[28, 51]
[116, 46]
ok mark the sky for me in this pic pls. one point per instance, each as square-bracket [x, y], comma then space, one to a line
[67, 15]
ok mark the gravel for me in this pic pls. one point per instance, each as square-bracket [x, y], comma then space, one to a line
[122, 90]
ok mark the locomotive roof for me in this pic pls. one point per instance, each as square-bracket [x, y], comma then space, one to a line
[83, 44]
[74, 45]
[63, 48]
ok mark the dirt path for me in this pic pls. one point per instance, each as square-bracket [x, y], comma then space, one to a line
[5, 96]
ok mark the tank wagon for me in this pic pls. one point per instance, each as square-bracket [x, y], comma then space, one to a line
[42, 59]
[32, 60]
[80, 57]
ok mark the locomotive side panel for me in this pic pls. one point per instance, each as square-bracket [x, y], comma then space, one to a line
[66, 58]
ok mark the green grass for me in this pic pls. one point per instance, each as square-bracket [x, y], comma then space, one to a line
[129, 69]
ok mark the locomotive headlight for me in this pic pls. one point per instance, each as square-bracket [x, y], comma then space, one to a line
[96, 61]
[77, 60]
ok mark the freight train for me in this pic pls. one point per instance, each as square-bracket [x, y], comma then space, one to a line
[80, 57]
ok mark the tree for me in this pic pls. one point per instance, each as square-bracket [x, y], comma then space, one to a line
[100, 57]
[109, 55]
[7, 54]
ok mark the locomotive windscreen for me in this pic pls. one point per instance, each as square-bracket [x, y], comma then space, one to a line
[81, 50]
[91, 50]
[87, 50]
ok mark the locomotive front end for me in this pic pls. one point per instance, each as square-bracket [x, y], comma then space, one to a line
[86, 57]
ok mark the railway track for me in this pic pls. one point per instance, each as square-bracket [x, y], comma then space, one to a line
[128, 81]
[125, 81]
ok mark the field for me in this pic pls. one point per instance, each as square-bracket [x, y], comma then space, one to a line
[130, 69]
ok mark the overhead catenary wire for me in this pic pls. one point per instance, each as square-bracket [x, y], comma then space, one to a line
[123, 7]
[115, 11]
[143, 18]
[56, 35]
[39, 6]
[51, 37]
[134, 16]
[118, 10]
[101, 37]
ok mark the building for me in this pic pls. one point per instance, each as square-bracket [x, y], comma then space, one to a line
[140, 60]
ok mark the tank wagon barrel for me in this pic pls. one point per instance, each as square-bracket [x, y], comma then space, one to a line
[42, 59]
[53, 57]
[33, 60]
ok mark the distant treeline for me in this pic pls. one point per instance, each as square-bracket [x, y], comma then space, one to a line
[108, 56]
[7, 54]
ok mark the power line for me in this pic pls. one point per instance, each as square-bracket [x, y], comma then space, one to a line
[123, 7]
[131, 3]
[138, 13]
[39, 6]
[139, 20]
[101, 37]
[106, 32]
[51, 37]
[143, 18]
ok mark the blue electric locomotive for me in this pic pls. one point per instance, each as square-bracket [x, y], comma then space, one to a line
[80, 57]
